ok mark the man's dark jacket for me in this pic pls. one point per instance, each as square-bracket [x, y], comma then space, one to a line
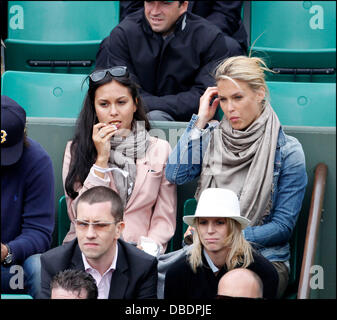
[224, 14]
[135, 276]
[173, 73]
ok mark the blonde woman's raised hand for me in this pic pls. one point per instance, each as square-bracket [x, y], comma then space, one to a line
[207, 107]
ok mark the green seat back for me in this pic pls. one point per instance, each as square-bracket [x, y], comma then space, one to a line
[46, 94]
[57, 30]
[302, 103]
[16, 296]
[295, 33]
[190, 206]
[63, 222]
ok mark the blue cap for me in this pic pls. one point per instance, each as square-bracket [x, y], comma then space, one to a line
[13, 121]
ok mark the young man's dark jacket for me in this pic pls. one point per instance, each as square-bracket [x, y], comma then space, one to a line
[224, 14]
[135, 276]
[173, 73]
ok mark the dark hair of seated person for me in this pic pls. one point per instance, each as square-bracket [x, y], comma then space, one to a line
[76, 281]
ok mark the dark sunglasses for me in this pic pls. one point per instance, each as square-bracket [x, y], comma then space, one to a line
[119, 71]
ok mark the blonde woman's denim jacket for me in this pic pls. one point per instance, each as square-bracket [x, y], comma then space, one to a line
[271, 238]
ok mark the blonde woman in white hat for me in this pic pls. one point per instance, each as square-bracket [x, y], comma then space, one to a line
[218, 249]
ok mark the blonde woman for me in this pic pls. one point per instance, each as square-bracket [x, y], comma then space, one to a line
[219, 249]
[248, 153]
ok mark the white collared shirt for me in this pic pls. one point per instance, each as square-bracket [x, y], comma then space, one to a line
[103, 282]
[210, 262]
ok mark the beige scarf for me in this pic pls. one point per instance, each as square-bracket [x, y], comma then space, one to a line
[123, 156]
[243, 161]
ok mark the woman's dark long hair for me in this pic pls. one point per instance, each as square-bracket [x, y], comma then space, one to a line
[83, 151]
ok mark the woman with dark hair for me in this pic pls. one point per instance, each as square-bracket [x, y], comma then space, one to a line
[112, 147]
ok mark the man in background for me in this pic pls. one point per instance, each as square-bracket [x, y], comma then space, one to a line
[171, 53]
[27, 203]
[226, 15]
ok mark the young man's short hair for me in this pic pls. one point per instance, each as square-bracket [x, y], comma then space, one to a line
[103, 194]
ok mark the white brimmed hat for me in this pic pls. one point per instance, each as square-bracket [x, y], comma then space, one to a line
[217, 203]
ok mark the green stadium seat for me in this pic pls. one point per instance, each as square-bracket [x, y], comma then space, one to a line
[190, 206]
[63, 222]
[302, 103]
[16, 296]
[296, 35]
[59, 31]
[46, 94]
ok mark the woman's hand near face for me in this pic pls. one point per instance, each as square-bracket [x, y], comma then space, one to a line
[101, 135]
[206, 109]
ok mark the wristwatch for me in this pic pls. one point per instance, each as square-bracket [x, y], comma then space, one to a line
[9, 257]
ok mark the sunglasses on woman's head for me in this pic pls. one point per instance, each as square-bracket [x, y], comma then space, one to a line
[119, 71]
